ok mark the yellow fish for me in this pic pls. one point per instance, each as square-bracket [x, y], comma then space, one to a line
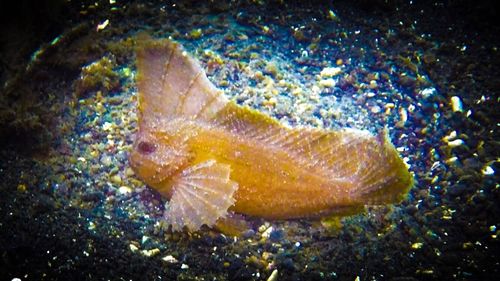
[211, 157]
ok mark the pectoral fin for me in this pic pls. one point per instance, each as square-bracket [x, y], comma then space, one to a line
[201, 195]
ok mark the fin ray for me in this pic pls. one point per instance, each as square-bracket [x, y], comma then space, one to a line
[172, 84]
[368, 162]
[202, 194]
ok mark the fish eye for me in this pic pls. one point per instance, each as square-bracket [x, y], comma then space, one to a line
[145, 147]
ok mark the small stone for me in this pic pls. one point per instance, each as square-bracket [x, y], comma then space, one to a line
[271, 68]
[329, 72]
[170, 259]
[258, 75]
[106, 160]
[107, 126]
[195, 33]
[129, 172]
[450, 136]
[267, 232]
[456, 104]
[102, 25]
[21, 187]
[262, 228]
[124, 189]
[94, 154]
[455, 143]
[248, 234]
[184, 266]
[417, 245]
[116, 179]
[270, 102]
[427, 92]
[487, 171]
[133, 248]
[151, 252]
[375, 109]
[273, 276]
[327, 83]
[297, 92]
[467, 245]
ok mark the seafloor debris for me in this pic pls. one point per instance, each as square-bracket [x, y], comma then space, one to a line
[98, 76]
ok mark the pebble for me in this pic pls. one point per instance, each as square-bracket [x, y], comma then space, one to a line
[329, 72]
[21, 187]
[417, 245]
[487, 171]
[327, 83]
[375, 109]
[195, 33]
[267, 232]
[133, 248]
[455, 143]
[116, 179]
[373, 84]
[450, 136]
[184, 266]
[273, 276]
[427, 92]
[106, 160]
[263, 227]
[124, 189]
[456, 104]
[170, 259]
[129, 172]
[271, 68]
[151, 252]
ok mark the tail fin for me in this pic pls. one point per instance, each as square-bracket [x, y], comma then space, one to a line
[383, 177]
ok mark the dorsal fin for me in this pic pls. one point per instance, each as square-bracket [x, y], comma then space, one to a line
[172, 84]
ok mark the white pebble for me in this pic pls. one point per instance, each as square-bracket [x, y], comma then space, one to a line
[133, 248]
[273, 276]
[267, 232]
[124, 190]
[375, 109]
[330, 71]
[456, 104]
[488, 171]
[327, 83]
[427, 92]
[184, 266]
[455, 143]
[170, 259]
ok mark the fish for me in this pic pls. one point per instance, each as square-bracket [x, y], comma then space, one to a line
[213, 159]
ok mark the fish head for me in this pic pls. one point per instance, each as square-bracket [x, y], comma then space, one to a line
[156, 156]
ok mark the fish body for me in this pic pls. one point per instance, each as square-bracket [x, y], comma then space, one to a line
[211, 157]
